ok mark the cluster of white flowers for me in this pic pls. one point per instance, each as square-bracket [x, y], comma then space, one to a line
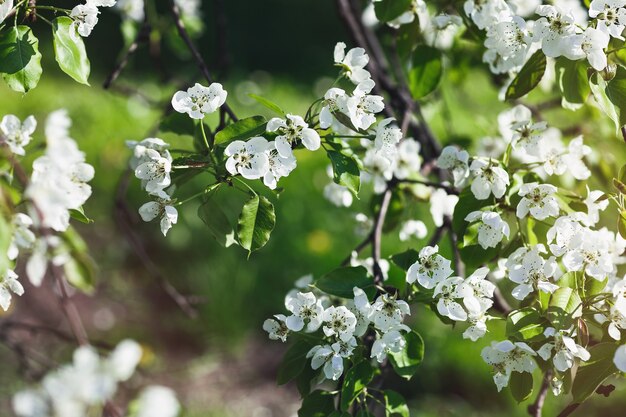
[85, 16]
[341, 326]
[89, 382]
[507, 357]
[560, 30]
[152, 164]
[438, 30]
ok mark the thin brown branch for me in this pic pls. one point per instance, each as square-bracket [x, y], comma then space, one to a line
[141, 37]
[180, 26]
[69, 308]
[379, 222]
[125, 224]
[535, 408]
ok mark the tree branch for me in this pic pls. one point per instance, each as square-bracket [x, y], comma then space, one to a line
[535, 408]
[180, 26]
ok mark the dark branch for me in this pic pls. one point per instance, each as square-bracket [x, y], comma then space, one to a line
[535, 408]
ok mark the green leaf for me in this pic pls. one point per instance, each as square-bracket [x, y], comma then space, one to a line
[616, 93]
[572, 81]
[256, 222]
[355, 380]
[593, 372]
[178, 123]
[241, 130]
[521, 385]
[426, 71]
[387, 10]
[528, 77]
[69, 50]
[317, 404]
[79, 214]
[598, 89]
[5, 241]
[407, 360]
[341, 281]
[293, 362]
[80, 273]
[20, 59]
[565, 305]
[269, 104]
[395, 404]
[345, 171]
[219, 226]
[405, 259]
[621, 223]
[525, 324]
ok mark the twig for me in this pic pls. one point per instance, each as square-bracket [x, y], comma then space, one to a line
[535, 408]
[448, 189]
[180, 26]
[69, 308]
[125, 223]
[141, 37]
[379, 222]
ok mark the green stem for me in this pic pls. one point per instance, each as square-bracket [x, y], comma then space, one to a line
[201, 193]
[244, 183]
[209, 145]
[56, 9]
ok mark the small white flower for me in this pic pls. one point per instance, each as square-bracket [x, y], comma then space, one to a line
[250, 159]
[387, 138]
[8, 284]
[5, 8]
[441, 30]
[491, 229]
[507, 357]
[292, 131]
[511, 120]
[123, 360]
[388, 313]
[611, 16]
[362, 106]
[139, 150]
[277, 329]
[533, 272]
[157, 401]
[198, 101]
[488, 179]
[352, 63]
[15, 133]
[413, 229]
[594, 207]
[408, 160]
[557, 32]
[391, 341]
[430, 269]
[335, 100]
[564, 348]
[456, 161]
[483, 12]
[131, 9]
[337, 194]
[23, 237]
[619, 359]
[85, 18]
[447, 292]
[305, 309]
[477, 328]
[161, 207]
[339, 322]
[330, 358]
[538, 200]
[592, 45]
[442, 205]
[155, 172]
[476, 292]
[279, 166]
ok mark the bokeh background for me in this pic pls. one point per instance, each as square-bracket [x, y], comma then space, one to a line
[221, 363]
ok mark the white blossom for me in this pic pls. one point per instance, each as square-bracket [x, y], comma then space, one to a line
[85, 18]
[557, 32]
[157, 401]
[388, 313]
[9, 284]
[306, 310]
[352, 63]
[331, 357]
[611, 16]
[482, 12]
[155, 172]
[448, 295]
[488, 179]
[619, 358]
[22, 237]
[532, 272]
[442, 205]
[594, 206]
[408, 160]
[15, 133]
[335, 100]
[131, 9]
[162, 207]
[492, 228]
[413, 229]
[249, 159]
[391, 341]
[291, 131]
[506, 357]
[279, 166]
[456, 161]
[277, 328]
[387, 138]
[441, 30]
[5, 9]
[362, 106]
[339, 322]
[430, 268]
[538, 200]
[198, 101]
[563, 350]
